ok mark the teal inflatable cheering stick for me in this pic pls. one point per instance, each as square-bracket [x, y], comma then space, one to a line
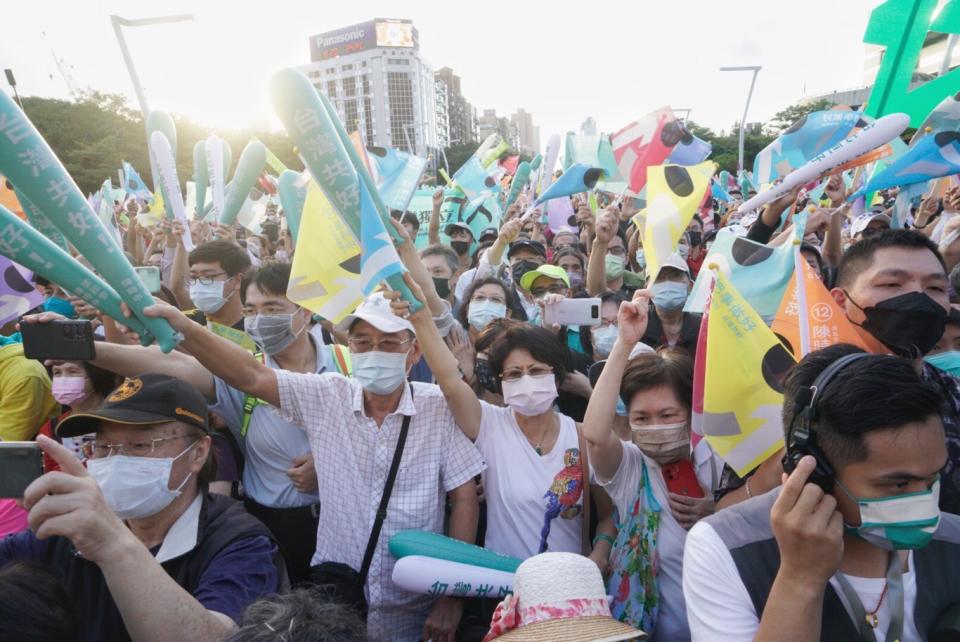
[200, 176]
[520, 179]
[40, 222]
[315, 131]
[21, 243]
[292, 199]
[29, 163]
[251, 163]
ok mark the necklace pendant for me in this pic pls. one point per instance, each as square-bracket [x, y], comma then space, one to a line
[872, 619]
[539, 451]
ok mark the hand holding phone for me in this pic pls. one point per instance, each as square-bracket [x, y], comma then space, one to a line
[573, 312]
[21, 463]
[61, 339]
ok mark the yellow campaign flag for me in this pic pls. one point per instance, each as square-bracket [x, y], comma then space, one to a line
[674, 193]
[743, 381]
[325, 275]
[239, 337]
[813, 310]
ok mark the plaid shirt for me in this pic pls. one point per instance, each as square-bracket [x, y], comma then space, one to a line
[353, 456]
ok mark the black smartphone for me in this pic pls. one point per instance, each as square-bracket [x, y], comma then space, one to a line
[62, 339]
[21, 463]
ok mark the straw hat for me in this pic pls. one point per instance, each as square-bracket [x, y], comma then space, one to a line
[558, 597]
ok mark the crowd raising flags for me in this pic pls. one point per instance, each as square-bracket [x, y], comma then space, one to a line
[622, 306]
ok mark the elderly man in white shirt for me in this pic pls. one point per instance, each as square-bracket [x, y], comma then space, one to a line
[353, 426]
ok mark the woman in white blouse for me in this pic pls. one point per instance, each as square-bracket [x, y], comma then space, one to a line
[659, 483]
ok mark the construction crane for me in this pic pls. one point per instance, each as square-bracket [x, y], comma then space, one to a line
[64, 73]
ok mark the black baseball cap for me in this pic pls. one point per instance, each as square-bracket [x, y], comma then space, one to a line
[536, 246]
[143, 401]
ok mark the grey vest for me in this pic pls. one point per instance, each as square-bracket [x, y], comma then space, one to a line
[746, 532]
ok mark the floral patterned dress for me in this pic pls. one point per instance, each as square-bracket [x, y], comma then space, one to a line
[634, 563]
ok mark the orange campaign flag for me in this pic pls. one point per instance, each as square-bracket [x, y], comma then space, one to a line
[812, 309]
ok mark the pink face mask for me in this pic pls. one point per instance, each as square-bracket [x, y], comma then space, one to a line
[70, 390]
[530, 396]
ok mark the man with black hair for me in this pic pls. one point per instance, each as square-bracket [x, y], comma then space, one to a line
[894, 287]
[216, 270]
[853, 546]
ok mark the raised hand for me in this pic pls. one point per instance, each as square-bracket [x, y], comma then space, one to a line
[632, 318]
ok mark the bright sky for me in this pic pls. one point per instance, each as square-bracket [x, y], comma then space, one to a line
[562, 61]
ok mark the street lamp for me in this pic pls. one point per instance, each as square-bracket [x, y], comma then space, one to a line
[118, 22]
[743, 121]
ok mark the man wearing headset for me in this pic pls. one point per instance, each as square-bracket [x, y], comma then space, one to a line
[853, 546]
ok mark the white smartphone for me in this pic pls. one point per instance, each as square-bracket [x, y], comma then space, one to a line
[150, 275]
[573, 312]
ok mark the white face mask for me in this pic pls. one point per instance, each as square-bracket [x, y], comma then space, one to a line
[136, 487]
[530, 396]
[208, 298]
[663, 443]
[380, 372]
[603, 339]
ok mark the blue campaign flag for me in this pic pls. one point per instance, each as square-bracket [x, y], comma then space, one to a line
[398, 175]
[576, 179]
[133, 184]
[760, 272]
[378, 257]
[473, 178]
[689, 151]
[718, 192]
[932, 157]
[811, 135]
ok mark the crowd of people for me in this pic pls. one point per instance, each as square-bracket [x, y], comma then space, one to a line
[246, 485]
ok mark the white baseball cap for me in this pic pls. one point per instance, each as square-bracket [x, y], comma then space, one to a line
[376, 311]
[861, 222]
[675, 261]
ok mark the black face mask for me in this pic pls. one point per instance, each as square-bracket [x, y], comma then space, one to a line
[521, 268]
[460, 247]
[481, 369]
[442, 286]
[695, 238]
[909, 324]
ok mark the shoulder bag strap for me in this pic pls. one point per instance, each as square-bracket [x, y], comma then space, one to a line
[385, 498]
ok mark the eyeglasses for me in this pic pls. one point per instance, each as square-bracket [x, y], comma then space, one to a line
[555, 288]
[617, 250]
[204, 280]
[536, 370]
[100, 449]
[384, 345]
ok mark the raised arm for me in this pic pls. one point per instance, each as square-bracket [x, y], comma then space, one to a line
[460, 397]
[605, 448]
[597, 265]
[433, 231]
[225, 359]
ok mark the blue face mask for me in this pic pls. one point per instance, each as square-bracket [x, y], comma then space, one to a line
[60, 306]
[898, 522]
[948, 361]
[641, 258]
[683, 251]
[621, 407]
[669, 295]
[603, 339]
[483, 312]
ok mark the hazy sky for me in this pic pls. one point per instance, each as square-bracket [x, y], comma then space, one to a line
[562, 61]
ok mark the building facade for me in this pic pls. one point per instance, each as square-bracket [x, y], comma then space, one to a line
[374, 75]
[461, 115]
[526, 135]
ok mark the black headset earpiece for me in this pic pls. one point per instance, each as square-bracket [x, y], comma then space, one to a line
[801, 439]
